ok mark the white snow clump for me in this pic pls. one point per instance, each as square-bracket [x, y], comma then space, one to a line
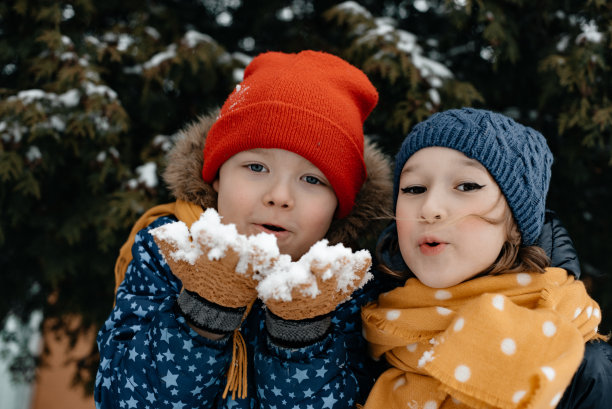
[277, 274]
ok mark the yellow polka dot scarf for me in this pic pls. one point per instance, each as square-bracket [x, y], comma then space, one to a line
[504, 341]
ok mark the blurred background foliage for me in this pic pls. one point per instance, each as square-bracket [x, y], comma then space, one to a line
[93, 93]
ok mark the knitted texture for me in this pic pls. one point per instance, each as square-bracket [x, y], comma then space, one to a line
[297, 334]
[215, 280]
[209, 316]
[311, 103]
[515, 155]
[507, 341]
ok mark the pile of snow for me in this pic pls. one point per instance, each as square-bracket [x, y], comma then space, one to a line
[278, 275]
[330, 262]
[208, 235]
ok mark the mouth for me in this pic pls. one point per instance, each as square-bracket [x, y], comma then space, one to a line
[279, 231]
[431, 246]
[273, 228]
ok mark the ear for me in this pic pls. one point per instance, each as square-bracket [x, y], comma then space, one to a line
[215, 184]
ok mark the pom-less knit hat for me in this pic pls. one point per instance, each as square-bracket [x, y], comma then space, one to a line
[515, 155]
[311, 103]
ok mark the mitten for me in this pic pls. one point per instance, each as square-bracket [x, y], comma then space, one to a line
[301, 295]
[218, 268]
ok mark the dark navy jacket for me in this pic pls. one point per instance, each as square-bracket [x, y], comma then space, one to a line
[151, 358]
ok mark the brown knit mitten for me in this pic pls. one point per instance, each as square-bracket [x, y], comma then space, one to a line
[217, 266]
[314, 285]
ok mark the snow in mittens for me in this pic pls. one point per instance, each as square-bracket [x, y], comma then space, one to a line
[339, 263]
[209, 233]
[278, 274]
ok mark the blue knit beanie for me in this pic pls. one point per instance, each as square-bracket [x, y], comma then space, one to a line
[515, 155]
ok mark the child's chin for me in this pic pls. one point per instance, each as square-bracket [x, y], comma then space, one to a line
[433, 280]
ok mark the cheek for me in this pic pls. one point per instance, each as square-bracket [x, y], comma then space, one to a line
[403, 222]
[321, 215]
[404, 233]
[321, 205]
[483, 231]
[486, 240]
[232, 205]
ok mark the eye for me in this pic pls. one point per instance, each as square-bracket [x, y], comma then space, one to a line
[469, 186]
[312, 180]
[414, 190]
[256, 167]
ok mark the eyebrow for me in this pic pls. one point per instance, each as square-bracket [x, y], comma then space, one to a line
[259, 150]
[473, 162]
[464, 161]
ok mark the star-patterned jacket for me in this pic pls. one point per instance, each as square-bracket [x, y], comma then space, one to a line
[151, 358]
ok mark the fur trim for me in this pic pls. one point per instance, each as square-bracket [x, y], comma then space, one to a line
[373, 204]
[183, 173]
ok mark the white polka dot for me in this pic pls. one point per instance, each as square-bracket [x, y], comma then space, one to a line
[577, 312]
[411, 347]
[556, 399]
[597, 313]
[459, 324]
[462, 373]
[523, 278]
[589, 311]
[393, 315]
[549, 328]
[430, 404]
[549, 372]
[518, 395]
[508, 346]
[399, 382]
[443, 311]
[498, 302]
[442, 295]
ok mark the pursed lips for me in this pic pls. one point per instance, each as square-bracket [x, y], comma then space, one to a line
[431, 246]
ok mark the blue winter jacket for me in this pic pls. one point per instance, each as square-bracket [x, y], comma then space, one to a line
[151, 358]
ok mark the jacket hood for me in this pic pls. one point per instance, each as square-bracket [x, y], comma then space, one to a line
[373, 204]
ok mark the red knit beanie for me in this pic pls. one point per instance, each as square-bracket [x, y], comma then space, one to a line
[311, 103]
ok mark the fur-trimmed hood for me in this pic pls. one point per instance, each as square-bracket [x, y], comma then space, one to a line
[373, 203]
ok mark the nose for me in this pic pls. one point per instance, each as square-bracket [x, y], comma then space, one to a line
[433, 208]
[279, 194]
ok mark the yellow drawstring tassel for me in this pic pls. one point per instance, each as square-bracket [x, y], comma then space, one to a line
[237, 372]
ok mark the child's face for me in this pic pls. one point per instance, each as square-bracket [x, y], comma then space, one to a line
[278, 192]
[441, 238]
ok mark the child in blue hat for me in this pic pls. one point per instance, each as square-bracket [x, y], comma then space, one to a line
[482, 319]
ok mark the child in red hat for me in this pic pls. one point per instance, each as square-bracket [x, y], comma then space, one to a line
[284, 156]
